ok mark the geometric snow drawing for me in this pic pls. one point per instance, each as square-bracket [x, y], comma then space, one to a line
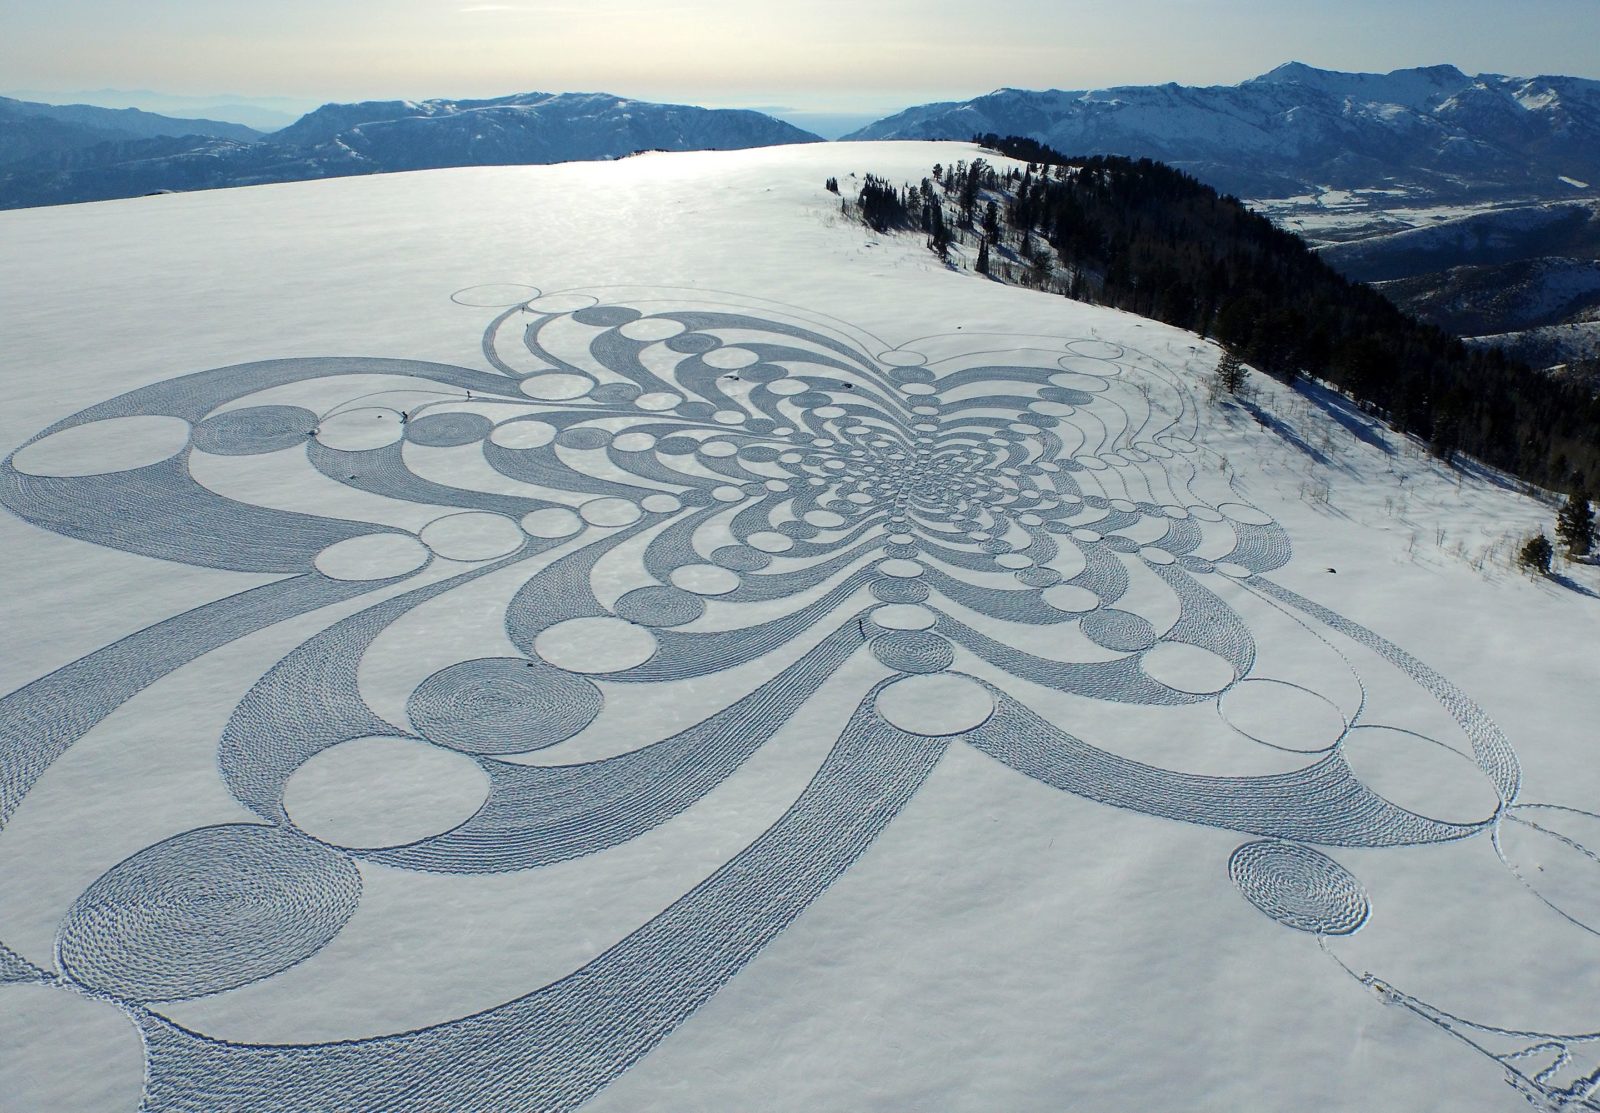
[668, 490]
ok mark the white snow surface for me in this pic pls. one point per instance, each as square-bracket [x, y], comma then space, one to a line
[996, 942]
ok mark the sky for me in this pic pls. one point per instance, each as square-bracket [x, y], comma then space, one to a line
[866, 57]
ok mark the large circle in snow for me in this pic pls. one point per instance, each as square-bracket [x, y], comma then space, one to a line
[377, 792]
[205, 911]
[101, 447]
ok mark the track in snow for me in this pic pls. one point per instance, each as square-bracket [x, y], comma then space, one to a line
[681, 487]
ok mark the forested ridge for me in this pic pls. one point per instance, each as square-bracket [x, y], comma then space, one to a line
[1141, 236]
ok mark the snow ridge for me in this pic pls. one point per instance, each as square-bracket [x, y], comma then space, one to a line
[1432, 129]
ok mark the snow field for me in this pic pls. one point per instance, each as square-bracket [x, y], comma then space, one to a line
[494, 628]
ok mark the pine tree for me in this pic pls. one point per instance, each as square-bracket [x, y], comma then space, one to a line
[1445, 439]
[982, 266]
[1230, 375]
[938, 231]
[1575, 524]
[991, 221]
[1041, 267]
[1535, 554]
[969, 190]
[881, 205]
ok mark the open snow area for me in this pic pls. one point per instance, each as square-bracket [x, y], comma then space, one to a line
[1334, 216]
[1549, 345]
[618, 635]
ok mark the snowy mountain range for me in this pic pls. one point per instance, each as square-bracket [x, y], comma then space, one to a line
[382, 136]
[264, 113]
[1432, 131]
[1302, 142]
[1470, 197]
[528, 128]
[29, 128]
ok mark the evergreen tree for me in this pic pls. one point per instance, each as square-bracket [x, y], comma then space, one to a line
[969, 190]
[1040, 264]
[938, 231]
[1575, 524]
[1445, 438]
[1230, 375]
[983, 256]
[1144, 237]
[1535, 554]
[881, 205]
[1137, 235]
[991, 221]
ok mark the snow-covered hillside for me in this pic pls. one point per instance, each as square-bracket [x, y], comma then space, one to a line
[618, 635]
[1489, 237]
[1475, 300]
[1433, 131]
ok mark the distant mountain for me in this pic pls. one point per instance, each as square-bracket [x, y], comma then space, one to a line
[1551, 347]
[29, 128]
[1502, 298]
[1522, 277]
[530, 128]
[264, 113]
[382, 136]
[1433, 131]
[161, 165]
[1508, 234]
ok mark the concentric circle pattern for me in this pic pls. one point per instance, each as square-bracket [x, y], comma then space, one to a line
[254, 430]
[554, 606]
[1299, 887]
[502, 706]
[206, 911]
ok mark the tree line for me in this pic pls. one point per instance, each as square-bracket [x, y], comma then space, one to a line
[1138, 235]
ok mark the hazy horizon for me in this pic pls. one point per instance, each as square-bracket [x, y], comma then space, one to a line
[827, 59]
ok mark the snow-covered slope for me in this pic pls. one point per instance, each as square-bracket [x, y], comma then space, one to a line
[1509, 297]
[1432, 131]
[618, 635]
[1523, 277]
[1551, 347]
[1492, 237]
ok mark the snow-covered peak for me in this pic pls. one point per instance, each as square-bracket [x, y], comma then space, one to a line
[1417, 87]
[1433, 130]
[546, 111]
[379, 136]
